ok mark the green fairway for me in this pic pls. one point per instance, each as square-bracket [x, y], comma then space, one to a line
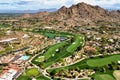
[32, 72]
[62, 54]
[104, 77]
[78, 42]
[22, 77]
[52, 50]
[103, 61]
[49, 53]
[52, 33]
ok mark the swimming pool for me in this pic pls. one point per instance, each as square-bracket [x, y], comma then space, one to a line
[24, 57]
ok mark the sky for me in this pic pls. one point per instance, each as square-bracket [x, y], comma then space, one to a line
[47, 4]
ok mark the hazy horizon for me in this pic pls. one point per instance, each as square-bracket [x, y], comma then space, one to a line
[48, 4]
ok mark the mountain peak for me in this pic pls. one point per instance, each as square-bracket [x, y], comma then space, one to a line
[82, 3]
[82, 10]
[63, 9]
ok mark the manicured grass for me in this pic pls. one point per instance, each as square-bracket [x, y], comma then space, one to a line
[52, 33]
[22, 77]
[78, 42]
[42, 78]
[116, 74]
[32, 72]
[52, 50]
[104, 77]
[57, 57]
[49, 53]
[103, 61]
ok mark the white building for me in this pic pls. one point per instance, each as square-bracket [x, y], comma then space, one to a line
[9, 75]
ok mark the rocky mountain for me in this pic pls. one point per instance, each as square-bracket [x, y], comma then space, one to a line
[81, 14]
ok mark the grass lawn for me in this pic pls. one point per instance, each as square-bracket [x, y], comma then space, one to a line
[52, 50]
[49, 53]
[78, 42]
[103, 61]
[104, 77]
[32, 72]
[57, 57]
[52, 33]
[116, 74]
[22, 77]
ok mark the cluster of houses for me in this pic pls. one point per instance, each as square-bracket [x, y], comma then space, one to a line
[16, 60]
[10, 73]
[15, 65]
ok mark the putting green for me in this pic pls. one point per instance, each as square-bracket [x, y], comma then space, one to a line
[32, 72]
[40, 59]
